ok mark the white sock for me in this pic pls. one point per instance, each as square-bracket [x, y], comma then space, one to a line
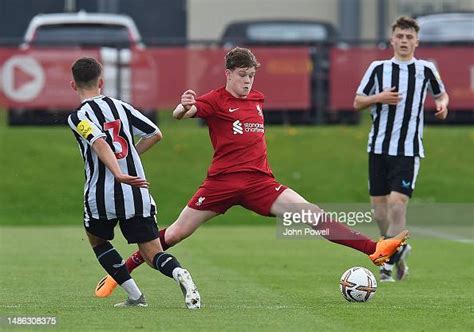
[132, 289]
[388, 267]
[175, 273]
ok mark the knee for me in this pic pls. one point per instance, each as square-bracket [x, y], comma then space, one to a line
[397, 204]
[397, 212]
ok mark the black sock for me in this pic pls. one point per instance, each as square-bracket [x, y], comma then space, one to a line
[165, 263]
[112, 262]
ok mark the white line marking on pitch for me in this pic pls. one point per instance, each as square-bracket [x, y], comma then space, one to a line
[440, 235]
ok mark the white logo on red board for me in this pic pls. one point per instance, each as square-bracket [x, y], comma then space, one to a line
[22, 78]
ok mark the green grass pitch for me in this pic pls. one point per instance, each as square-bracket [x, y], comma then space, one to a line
[249, 279]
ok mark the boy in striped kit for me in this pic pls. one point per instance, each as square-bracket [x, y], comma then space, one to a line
[395, 91]
[115, 190]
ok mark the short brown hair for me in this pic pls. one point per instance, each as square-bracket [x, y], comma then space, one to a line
[86, 72]
[405, 22]
[240, 57]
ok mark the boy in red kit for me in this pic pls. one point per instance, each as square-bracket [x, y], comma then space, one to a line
[240, 173]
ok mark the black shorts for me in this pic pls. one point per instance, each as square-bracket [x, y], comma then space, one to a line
[392, 173]
[135, 230]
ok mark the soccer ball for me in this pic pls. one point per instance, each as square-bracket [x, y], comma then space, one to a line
[358, 284]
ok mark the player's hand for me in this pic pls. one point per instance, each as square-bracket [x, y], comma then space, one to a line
[188, 99]
[441, 110]
[134, 181]
[390, 97]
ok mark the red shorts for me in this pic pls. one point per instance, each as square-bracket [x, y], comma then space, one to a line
[252, 190]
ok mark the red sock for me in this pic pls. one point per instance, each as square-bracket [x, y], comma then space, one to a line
[339, 233]
[164, 245]
[134, 261]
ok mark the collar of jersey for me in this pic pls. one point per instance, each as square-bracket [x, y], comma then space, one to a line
[400, 62]
[92, 98]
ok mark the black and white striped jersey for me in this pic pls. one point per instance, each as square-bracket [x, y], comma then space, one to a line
[397, 130]
[118, 123]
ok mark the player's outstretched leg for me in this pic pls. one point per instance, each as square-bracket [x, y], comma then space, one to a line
[378, 252]
[290, 202]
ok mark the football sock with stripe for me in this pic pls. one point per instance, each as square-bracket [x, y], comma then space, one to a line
[113, 263]
[134, 261]
[165, 263]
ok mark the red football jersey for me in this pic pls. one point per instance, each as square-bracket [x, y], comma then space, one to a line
[236, 128]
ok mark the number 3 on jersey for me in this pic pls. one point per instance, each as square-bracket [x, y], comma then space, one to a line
[117, 139]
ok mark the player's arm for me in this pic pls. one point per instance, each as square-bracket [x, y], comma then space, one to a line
[142, 127]
[180, 112]
[106, 155]
[389, 96]
[436, 86]
[145, 143]
[442, 102]
[186, 109]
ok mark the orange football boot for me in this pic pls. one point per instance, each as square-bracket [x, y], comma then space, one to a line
[105, 287]
[387, 247]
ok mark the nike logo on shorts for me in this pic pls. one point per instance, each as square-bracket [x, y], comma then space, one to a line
[233, 109]
[279, 187]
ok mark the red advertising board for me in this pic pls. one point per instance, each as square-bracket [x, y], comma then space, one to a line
[156, 77]
[38, 78]
[455, 64]
[284, 75]
[151, 78]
